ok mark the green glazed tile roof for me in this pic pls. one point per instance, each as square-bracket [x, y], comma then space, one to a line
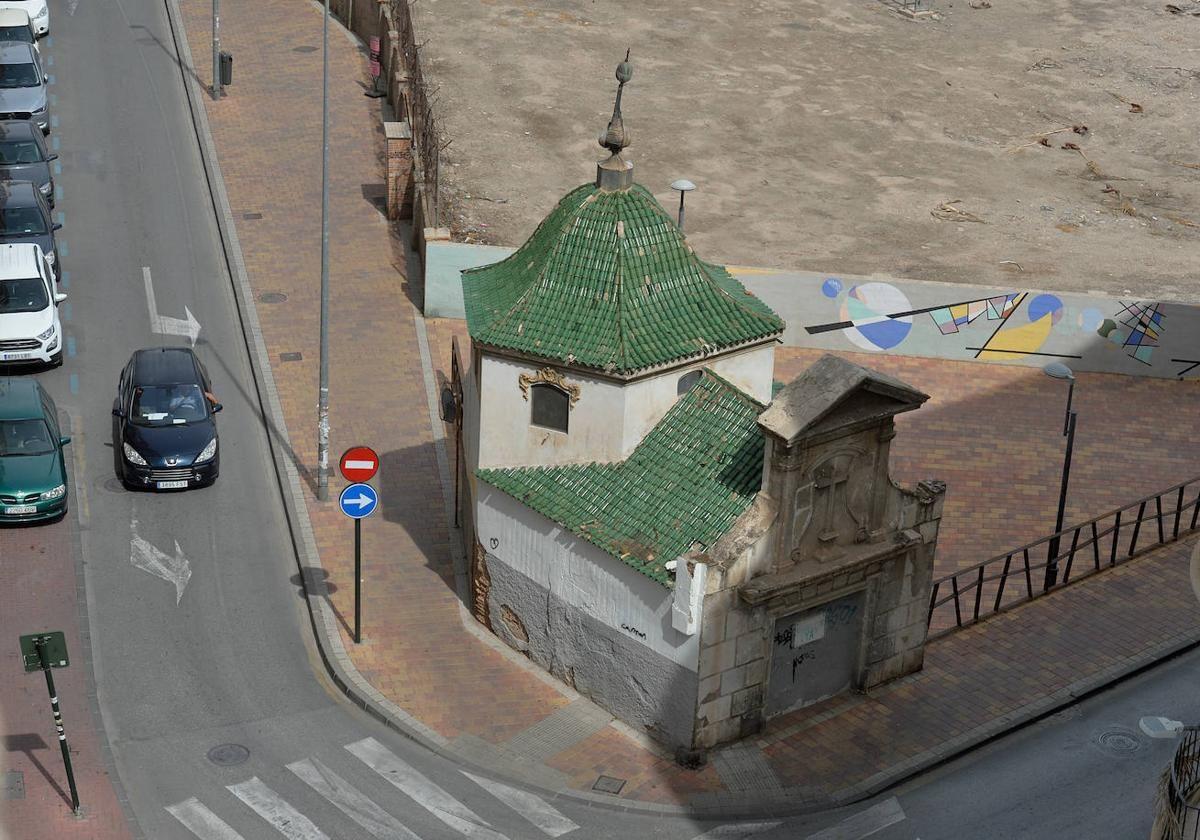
[607, 281]
[687, 481]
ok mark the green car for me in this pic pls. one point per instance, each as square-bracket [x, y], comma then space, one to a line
[33, 473]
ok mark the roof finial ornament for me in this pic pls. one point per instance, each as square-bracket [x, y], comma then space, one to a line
[616, 173]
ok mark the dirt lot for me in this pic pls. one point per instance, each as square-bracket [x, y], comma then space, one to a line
[825, 135]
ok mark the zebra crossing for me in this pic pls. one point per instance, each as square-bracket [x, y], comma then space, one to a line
[266, 806]
[270, 808]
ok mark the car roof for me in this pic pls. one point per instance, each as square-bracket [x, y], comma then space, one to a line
[17, 129]
[14, 17]
[19, 399]
[16, 52]
[18, 194]
[19, 259]
[165, 366]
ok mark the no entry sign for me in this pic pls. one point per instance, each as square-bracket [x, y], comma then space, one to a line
[359, 463]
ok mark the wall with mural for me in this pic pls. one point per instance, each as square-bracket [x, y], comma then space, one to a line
[1018, 324]
[1014, 325]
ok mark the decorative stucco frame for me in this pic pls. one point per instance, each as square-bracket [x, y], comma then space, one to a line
[548, 376]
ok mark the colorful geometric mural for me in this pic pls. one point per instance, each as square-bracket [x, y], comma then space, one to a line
[950, 318]
[875, 314]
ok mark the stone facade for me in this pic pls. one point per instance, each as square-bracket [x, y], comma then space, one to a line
[832, 548]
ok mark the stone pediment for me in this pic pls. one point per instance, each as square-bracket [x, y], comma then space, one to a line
[834, 393]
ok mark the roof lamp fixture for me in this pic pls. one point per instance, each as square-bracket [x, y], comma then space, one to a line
[683, 186]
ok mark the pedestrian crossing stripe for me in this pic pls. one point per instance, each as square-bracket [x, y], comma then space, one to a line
[201, 821]
[421, 790]
[271, 807]
[532, 808]
[355, 805]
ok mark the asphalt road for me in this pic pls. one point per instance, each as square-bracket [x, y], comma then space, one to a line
[228, 660]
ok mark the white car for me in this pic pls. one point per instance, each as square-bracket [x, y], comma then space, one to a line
[16, 26]
[30, 329]
[38, 11]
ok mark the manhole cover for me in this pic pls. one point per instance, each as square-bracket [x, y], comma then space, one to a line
[291, 357]
[305, 49]
[227, 755]
[272, 297]
[607, 784]
[1119, 741]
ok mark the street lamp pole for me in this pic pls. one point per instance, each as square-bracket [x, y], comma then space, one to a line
[323, 404]
[216, 27]
[1057, 370]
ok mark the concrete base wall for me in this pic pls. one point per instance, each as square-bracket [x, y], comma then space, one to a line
[628, 679]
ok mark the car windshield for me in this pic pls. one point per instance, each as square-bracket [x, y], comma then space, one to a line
[18, 220]
[20, 75]
[166, 405]
[19, 151]
[24, 294]
[25, 437]
[21, 34]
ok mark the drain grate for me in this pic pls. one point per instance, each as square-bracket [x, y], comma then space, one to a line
[607, 784]
[228, 755]
[252, 215]
[14, 785]
[305, 49]
[272, 297]
[290, 357]
[1119, 741]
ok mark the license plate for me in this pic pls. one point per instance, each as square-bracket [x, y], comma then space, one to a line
[18, 510]
[13, 357]
[171, 485]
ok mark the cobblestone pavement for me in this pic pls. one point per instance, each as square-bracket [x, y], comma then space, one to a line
[417, 650]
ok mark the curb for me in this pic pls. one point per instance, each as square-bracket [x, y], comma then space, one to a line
[728, 805]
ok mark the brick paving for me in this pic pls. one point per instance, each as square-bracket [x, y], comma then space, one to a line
[416, 651]
[37, 579]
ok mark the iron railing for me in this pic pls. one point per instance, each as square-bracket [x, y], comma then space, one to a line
[1015, 577]
[1178, 811]
[426, 138]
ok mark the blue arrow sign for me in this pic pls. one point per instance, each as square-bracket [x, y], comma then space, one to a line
[359, 501]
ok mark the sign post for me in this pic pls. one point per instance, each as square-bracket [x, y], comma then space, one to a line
[376, 70]
[358, 501]
[43, 651]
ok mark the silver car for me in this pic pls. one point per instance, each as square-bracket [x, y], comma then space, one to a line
[23, 85]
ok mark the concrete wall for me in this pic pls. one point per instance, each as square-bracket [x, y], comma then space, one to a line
[1089, 332]
[587, 618]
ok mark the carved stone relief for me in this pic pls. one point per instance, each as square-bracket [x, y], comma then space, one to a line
[551, 377]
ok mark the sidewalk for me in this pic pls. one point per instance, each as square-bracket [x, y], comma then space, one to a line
[430, 669]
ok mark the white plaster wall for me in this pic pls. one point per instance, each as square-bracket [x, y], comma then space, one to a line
[580, 574]
[647, 400]
[508, 439]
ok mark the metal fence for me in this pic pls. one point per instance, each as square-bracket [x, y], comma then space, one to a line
[1007, 580]
[1178, 813]
[427, 143]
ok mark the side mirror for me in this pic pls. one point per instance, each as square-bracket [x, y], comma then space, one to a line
[59, 297]
[56, 226]
[118, 412]
[52, 156]
[63, 441]
[217, 407]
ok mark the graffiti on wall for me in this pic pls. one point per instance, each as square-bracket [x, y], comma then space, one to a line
[878, 316]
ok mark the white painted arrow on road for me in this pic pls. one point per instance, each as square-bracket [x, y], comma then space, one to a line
[149, 558]
[163, 324]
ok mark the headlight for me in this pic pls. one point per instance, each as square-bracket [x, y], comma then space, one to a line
[45, 12]
[132, 456]
[41, 110]
[207, 452]
[50, 258]
[57, 493]
[45, 334]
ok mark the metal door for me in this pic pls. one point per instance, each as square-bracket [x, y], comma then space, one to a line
[814, 654]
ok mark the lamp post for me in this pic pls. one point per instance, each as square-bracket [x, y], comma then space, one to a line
[216, 30]
[323, 398]
[1057, 370]
[684, 187]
